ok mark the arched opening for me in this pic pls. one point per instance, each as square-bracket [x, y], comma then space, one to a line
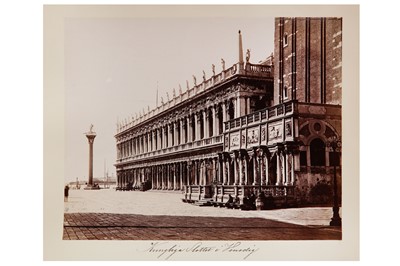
[250, 172]
[178, 130]
[201, 126]
[272, 170]
[210, 124]
[193, 128]
[231, 175]
[231, 111]
[317, 152]
[172, 131]
[285, 39]
[220, 120]
[259, 104]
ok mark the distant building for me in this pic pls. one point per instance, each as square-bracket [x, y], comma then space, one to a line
[249, 127]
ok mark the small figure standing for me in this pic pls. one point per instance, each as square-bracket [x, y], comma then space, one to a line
[66, 189]
[213, 69]
[223, 64]
[247, 55]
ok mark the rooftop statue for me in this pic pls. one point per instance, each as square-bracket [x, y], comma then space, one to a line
[167, 96]
[187, 85]
[223, 64]
[204, 76]
[173, 93]
[180, 89]
[213, 69]
[91, 128]
[194, 80]
[247, 55]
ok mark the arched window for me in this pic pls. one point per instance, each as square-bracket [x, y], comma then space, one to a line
[231, 111]
[220, 120]
[285, 39]
[193, 123]
[317, 152]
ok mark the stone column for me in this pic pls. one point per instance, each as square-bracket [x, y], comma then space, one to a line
[165, 136]
[175, 181]
[195, 172]
[237, 169]
[183, 132]
[180, 175]
[224, 174]
[188, 176]
[229, 174]
[240, 106]
[215, 173]
[196, 126]
[224, 112]
[215, 120]
[246, 172]
[161, 177]
[147, 142]
[168, 175]
[205, 123]
[176, 135]
[139, 144]
[287, 173]
[202, 176]
[157, 168]
[293, 179]
[198, 129]
[189, 129]
[170, 135]
[90, 137]
[256, 173]
[150, 142]
[161, 138]
[278, 169]
[248, 111]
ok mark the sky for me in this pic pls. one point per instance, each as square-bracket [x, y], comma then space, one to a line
[114, 67]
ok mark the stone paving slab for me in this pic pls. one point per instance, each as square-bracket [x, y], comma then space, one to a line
[157, 215]
[170, 203]
[105, 226]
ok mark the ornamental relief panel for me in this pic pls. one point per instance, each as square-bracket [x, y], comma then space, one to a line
[253, 136]
[275, 132]
[235, 140]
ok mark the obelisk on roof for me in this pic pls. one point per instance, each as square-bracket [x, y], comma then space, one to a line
[241, 62]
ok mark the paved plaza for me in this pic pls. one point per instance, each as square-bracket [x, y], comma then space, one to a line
[133, 215]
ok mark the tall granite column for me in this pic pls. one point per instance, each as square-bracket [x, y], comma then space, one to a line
[90, 136]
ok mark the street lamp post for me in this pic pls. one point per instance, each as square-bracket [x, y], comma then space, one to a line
[335, 143]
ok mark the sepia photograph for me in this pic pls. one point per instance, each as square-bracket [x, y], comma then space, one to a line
[200, 132]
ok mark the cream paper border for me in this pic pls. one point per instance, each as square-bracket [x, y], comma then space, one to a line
[54, 135]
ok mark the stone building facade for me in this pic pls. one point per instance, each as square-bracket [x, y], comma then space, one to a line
[251, 127]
